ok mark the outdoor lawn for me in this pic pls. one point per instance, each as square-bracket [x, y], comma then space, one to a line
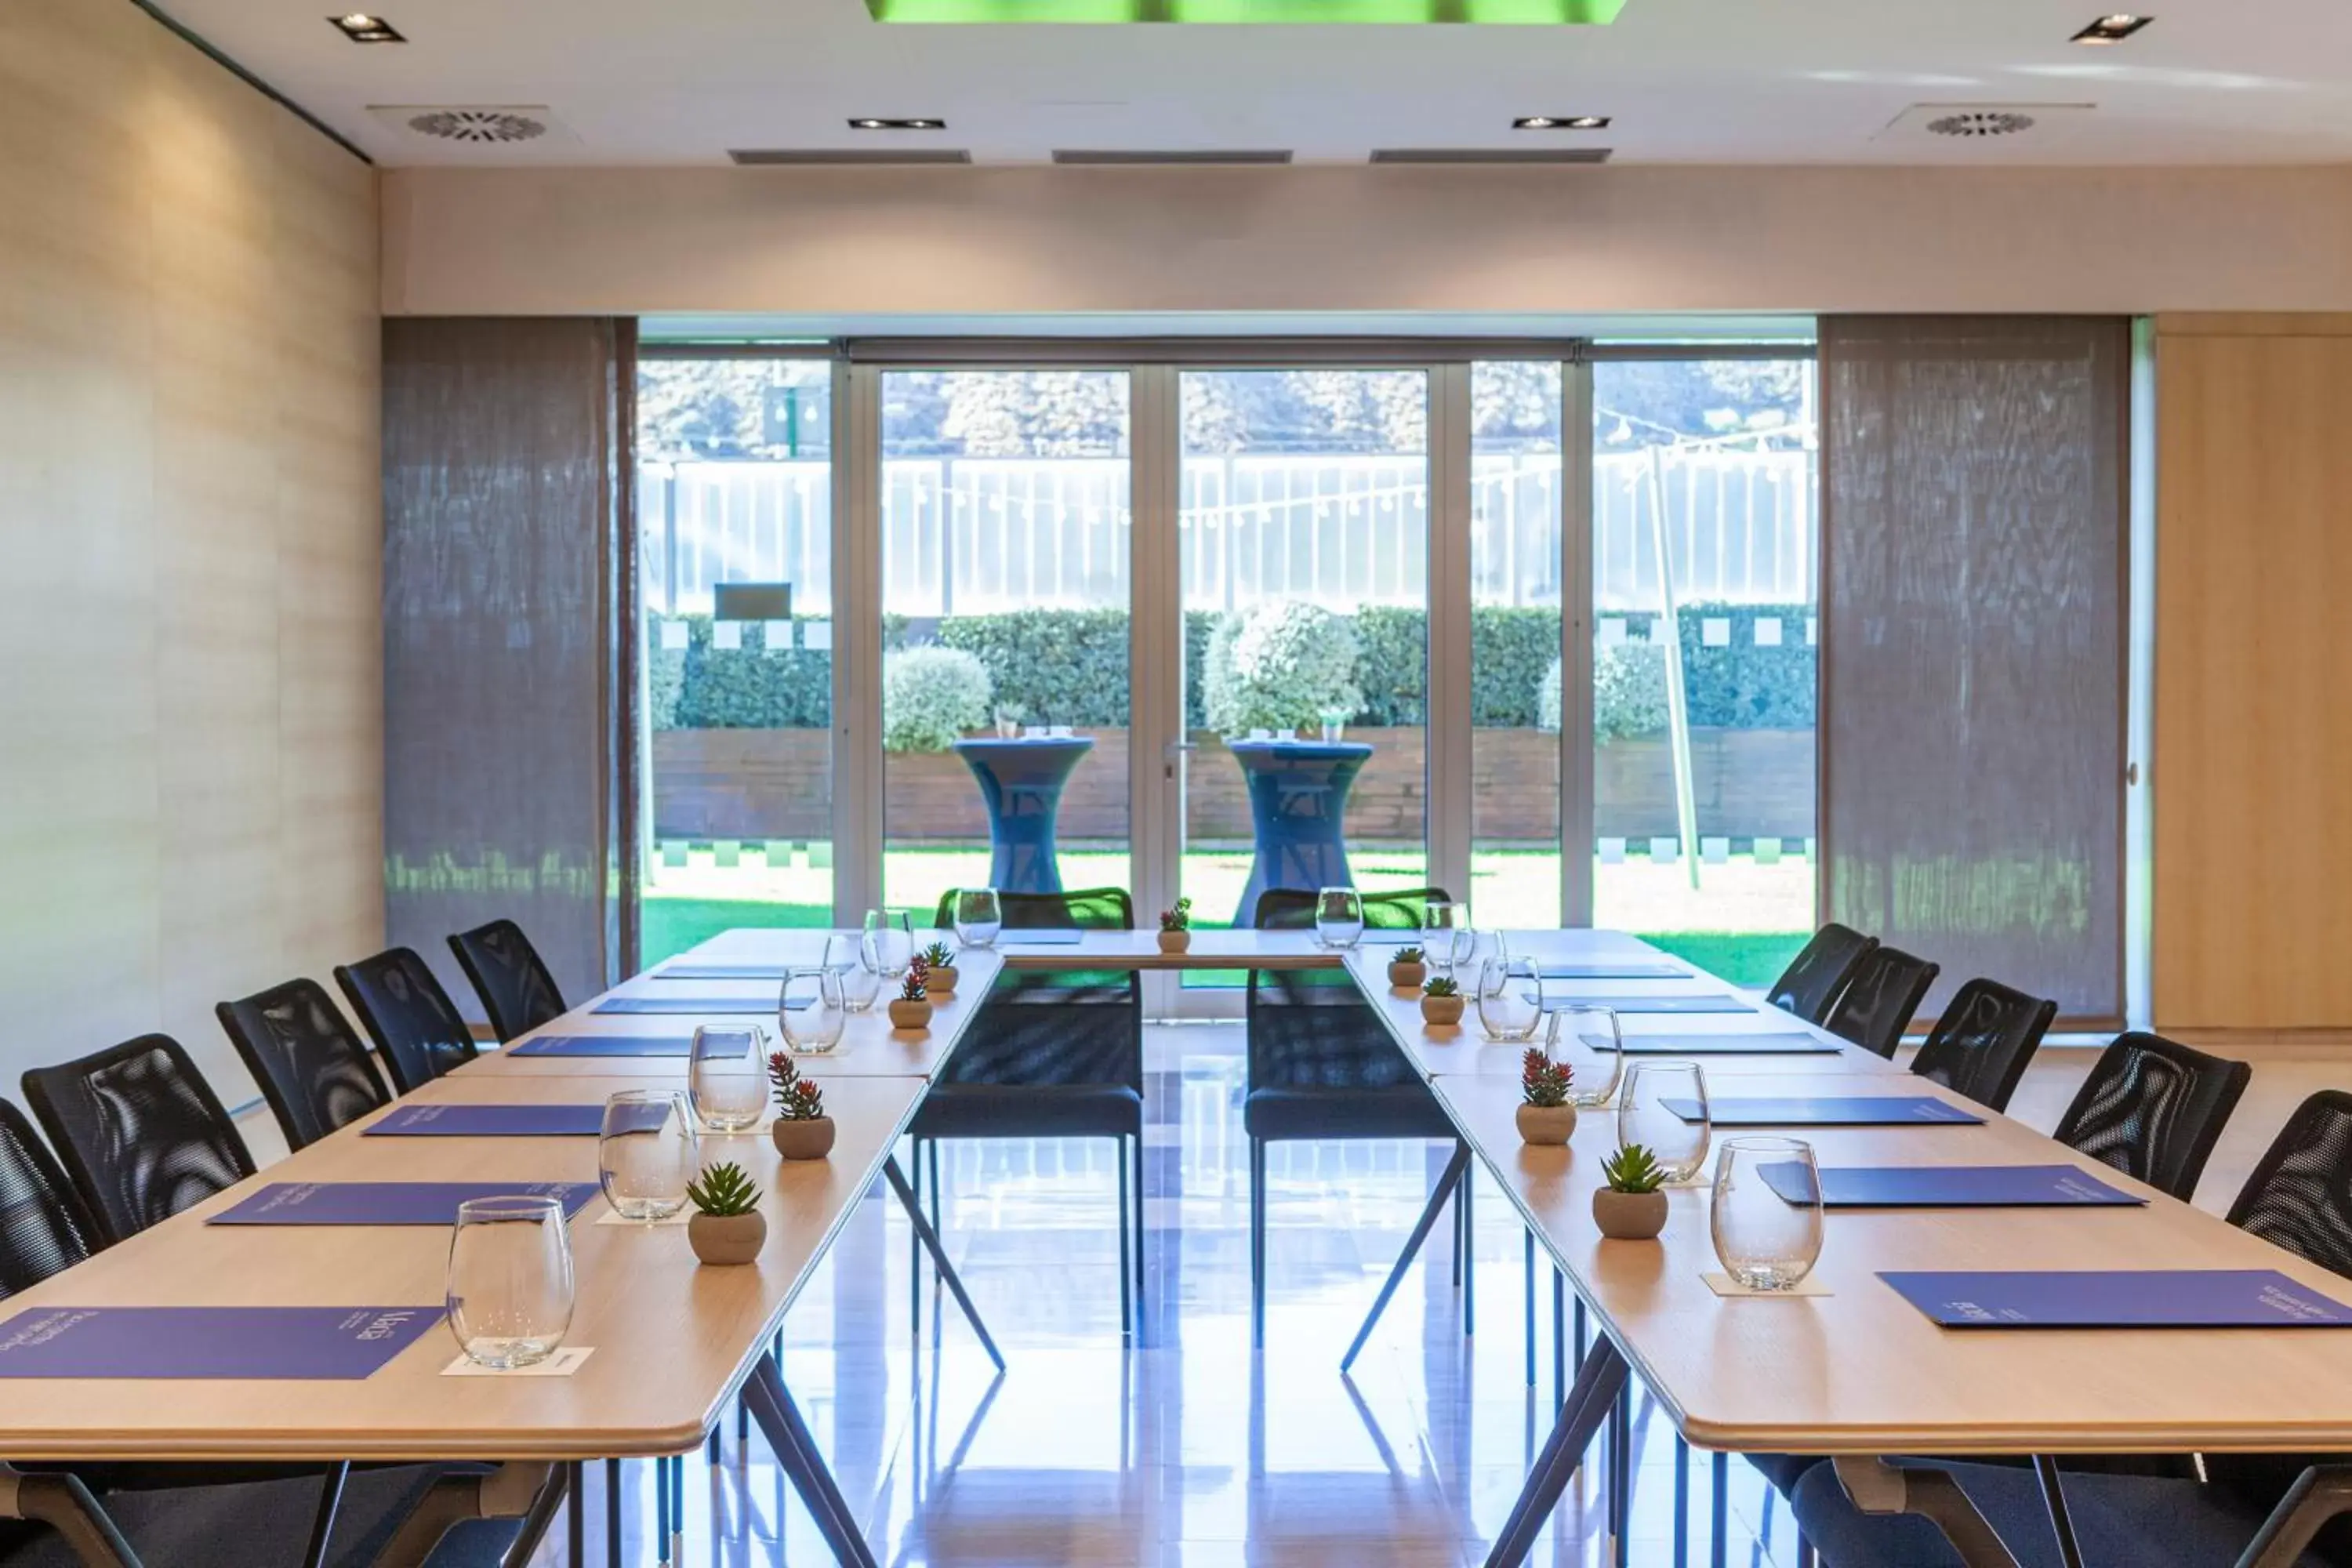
[1743, 921]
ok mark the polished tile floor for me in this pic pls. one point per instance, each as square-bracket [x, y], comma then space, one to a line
[1192, 1450]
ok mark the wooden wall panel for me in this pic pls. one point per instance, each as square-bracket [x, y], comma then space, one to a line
[2253, 734]
[190, 528]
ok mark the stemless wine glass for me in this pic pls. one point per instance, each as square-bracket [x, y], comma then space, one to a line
[888, 944]
[1767, 1215]
[1588, 1034]
[1446, 934]
[726, 1077]
[510, 1291]
[1339, 917]
[861, 988]
[1511, 999]
[813, 1008]
[1664, 1106]
[648, 1153]
[978, 917]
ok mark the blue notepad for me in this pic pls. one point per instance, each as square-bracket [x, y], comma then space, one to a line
[1945, 1186]
[1624, 969]
[341, 1344]
[387, 1203]
[603, 1046]
[720, 972]
[711, 1005]
[1710, 1003]
[1045, 936]
[1829, 1111]
[509, 1120]
[2120, 1299]
[1790, 1043]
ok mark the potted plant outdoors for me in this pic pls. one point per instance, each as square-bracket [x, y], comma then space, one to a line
[1408, 969]
[802, 1130]
[1441, 1002]
[1176, 927]
[1632, 1208]
[939, 970]
[910, 1010]
[1545, 1115]
[1009, 716]
[727, 1227]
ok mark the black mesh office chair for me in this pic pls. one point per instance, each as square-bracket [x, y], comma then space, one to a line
[2154, 1109]
[417, 1030]
[140, 1131]
[1051, 1054]
[1884, 990]
[1981, 1044]
[1815, 976]
[518, 993]
[311, 1069]
[2299, 1199]
[1322, 1066]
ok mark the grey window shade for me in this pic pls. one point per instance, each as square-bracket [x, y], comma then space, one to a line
[506, 593]
[1973, 514]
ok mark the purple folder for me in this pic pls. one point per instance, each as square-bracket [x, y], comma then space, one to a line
[2120, 1299]
[1945, 1186]
[1622, 969]
[387, 1203]
[605, 1046]
[1828, 1111]
[508, 1120]
[339, 1344]
[720, 972]
[1716, 1002]
[1043, 936]
[1786, 1044]
[762, 1003]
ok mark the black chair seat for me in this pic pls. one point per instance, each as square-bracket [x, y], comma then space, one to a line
[1285, 1115]
[1030, 1110]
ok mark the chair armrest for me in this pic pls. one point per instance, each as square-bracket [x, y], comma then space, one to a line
[1879, 1487]
[2318, 1495]
[65, 1505]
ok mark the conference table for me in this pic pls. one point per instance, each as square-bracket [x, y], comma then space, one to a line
[1856, 1371]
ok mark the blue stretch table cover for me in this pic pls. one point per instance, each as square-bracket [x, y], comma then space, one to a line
[1021, 779]
[1298, 794]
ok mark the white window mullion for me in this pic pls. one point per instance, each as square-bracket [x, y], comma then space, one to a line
[856, 643]
[1447, 714]
[1576, 780]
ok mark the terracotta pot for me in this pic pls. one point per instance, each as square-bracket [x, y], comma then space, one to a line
[1175, 941]
[913, 1018]
[1546, 1123]
[1444, 1010]
[941, 980]
[727, 1239]
[809, 1140]
[1407, 976]
[1629, 1217]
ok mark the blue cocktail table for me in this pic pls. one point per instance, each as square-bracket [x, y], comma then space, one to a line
[1022, 781]
[1298, 794]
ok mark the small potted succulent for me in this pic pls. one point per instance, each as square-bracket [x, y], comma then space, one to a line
[1176, 927]
[727, 1227]
[802, 1130]
[1441, 1001]
[1008, 720]
[910, 1010]
[938, 969]
[1632, 1208]
[1408, 969]
[1546, 1114]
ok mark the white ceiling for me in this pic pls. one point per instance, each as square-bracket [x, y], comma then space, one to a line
[1777, 81]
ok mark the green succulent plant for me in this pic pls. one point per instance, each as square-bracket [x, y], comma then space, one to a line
[1407, 956]
[1633, 1169]
[723, 1192]
[1442, 985]
[937, 956]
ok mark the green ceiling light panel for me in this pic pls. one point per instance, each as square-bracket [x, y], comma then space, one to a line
[1282, 13]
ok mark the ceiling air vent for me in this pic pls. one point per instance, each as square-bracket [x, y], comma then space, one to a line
[807, 157]
[1126, 157]
[1963, 124]
[473, 124]
[1492, 155]
[1980, 123]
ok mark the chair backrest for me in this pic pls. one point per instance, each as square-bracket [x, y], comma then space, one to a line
[2153, 1109]
[1057, 1027]
[140, 1131]
[1982, 1042]
[312, 1070]
[1884, 990]
[1814, 977]
[1309, 1029]
[45, 1228]
[518, 993]
[417, 1028]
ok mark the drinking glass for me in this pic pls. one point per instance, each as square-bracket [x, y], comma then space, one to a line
[647, 1152]
[1767, 1234]
[1510, 1000]
[978, 919]
[888, 944]
[1648, 1112]
[1339, 917]
[815, 1028]
[726, 1076]
[1602, 1066]
[1446, 935]
[509, 1289]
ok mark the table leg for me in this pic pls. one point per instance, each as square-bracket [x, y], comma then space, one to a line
[575, 1512]
[1559, 1337]
[2062, 1523]
[1719, 1505]
[797, 1457]
[1597, 1382]
[1454, 1174]
[322, 1524]
[612, 1513]
[1528, 1300]
[930, 1240]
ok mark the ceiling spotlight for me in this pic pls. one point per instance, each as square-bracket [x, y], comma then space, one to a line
[2113, 29]
[1561, 122]
[361, 29]
[869, 122]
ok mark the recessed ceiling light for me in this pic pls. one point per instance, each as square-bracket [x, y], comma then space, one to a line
[1561, 122]
[2113, 29]
[869, 122]
[361, 29]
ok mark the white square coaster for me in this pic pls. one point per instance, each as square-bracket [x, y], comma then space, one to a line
[562, 1364]
[611, 1217]
[1725, 1285]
